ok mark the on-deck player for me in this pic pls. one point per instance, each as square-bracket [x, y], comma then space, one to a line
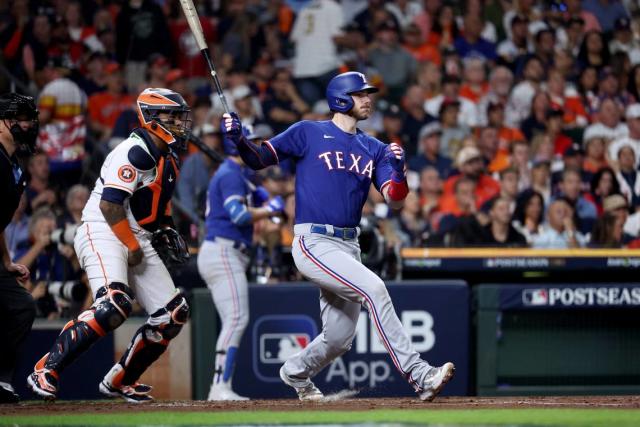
[336, 164]
[130, 200]
[233, 205]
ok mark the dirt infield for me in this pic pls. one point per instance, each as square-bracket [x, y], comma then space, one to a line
[600, 402]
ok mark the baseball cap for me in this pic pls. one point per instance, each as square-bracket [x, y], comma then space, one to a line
[429, 129]
[466, 154]
[614, 202]
[275, 173]
[111, 68]
[622, 24]
[261, 131]
[633, 111]
[605, 72]
[206, 129]
[158, 60]
[519, 19]
[388, 25]
[593, 131]
[622, 143]
[574, 149]
[240, 92]
[541, 162]
[554, 112]
[393, 111]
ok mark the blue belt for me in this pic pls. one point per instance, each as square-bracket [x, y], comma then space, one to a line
[339, 232]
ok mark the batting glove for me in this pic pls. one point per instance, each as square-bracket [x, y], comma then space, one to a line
[276, 205]
[395, 156]
[260, 195]
[231, 126]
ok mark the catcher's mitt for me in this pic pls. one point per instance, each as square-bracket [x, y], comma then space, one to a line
[170, 246]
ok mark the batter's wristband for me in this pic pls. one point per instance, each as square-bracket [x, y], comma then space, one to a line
[125, 235]
[398, 190]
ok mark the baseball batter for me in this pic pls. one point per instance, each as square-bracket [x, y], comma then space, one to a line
[336, 164]
[129, 204]
[233, 205]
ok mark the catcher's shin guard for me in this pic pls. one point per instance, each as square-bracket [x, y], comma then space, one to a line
[112, 307]
[150, 341]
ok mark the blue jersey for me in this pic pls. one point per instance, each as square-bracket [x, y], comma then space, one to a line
[334, 171]
[228, 184]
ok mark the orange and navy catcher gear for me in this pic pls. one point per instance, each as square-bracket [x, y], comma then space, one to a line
[176, 129]
[111, 308]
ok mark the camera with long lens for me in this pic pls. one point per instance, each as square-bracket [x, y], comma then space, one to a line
[70, 290]
[372, 245]
[64, 235]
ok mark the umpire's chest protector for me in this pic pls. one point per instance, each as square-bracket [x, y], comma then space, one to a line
[150, 202]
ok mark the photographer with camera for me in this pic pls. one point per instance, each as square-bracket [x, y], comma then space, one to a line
[18, 132]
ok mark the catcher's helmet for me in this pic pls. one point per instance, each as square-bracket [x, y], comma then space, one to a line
[342, 86]
[153, 101]
[15, 107]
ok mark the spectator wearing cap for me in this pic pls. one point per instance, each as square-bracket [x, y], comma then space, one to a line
[470, 165]
[283, 105]
[608, 231]
[544, 44]
[571, 158]
[517, 43]
[609, 85]
[575, 10]
[430, 153]
[506, 135]
[395, 64]
[520, 101]
[606, 11]
[574, 29]
[555, 129]
[197, 170]
[467, 112]
[570, 189]
[603, 184]
[559, 231]
[416, 45]
[148, 33]
[500, 82]
[452, 132]
[565, 99]
[392, 124]
[415, 117]
[595, 153]
[105, 107]
[624, 40]
[632, 116]
[525, 8]
[471, 42]
[246, 105]
[157, 68]
[62, 106]
[475, 84]
[536, 122]
[316, 59]
[627, 173]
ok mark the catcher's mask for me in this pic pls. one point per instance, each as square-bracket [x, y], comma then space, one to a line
[165, 114]
[22, 116]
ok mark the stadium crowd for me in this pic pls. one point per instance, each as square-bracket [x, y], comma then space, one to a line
[520, 118]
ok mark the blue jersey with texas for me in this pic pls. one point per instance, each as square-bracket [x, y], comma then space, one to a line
[227, 185]
[334, 171]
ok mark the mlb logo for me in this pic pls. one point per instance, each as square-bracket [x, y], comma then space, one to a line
[535, 297]
[275, 338]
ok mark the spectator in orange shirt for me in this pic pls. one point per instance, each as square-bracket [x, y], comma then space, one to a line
[418, 48]
[452, 207]
[470, 164]
[567, 100]
[105, 107]
[506, 135]
[475, 84]
[488, 143]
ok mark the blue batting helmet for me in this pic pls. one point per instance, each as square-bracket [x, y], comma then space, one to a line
[342, 86]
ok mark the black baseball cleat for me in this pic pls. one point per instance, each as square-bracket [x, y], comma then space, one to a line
[135, 393]
[8, 394]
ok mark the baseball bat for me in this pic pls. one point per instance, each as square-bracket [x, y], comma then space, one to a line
[193, 20]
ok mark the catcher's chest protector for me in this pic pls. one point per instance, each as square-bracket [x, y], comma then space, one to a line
[150, 203]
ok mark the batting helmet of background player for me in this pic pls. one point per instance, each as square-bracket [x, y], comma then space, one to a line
[153, 101]
[14, 108]
[342, 86]
[229, 147]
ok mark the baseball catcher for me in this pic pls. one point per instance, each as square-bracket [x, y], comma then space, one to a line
[123, 243]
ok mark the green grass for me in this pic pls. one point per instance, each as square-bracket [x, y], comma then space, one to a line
[530, 417]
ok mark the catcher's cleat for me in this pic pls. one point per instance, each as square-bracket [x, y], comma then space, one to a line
[8, 394]
[303, 386]
[135, 393]
[437, 377]
[44, 383]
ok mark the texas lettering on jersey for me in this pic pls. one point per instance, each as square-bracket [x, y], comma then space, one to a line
[336, 160]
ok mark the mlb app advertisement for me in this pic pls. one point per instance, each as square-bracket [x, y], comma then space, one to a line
[286, 318]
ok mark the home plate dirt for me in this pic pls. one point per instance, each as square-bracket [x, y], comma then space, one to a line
[349, 404]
